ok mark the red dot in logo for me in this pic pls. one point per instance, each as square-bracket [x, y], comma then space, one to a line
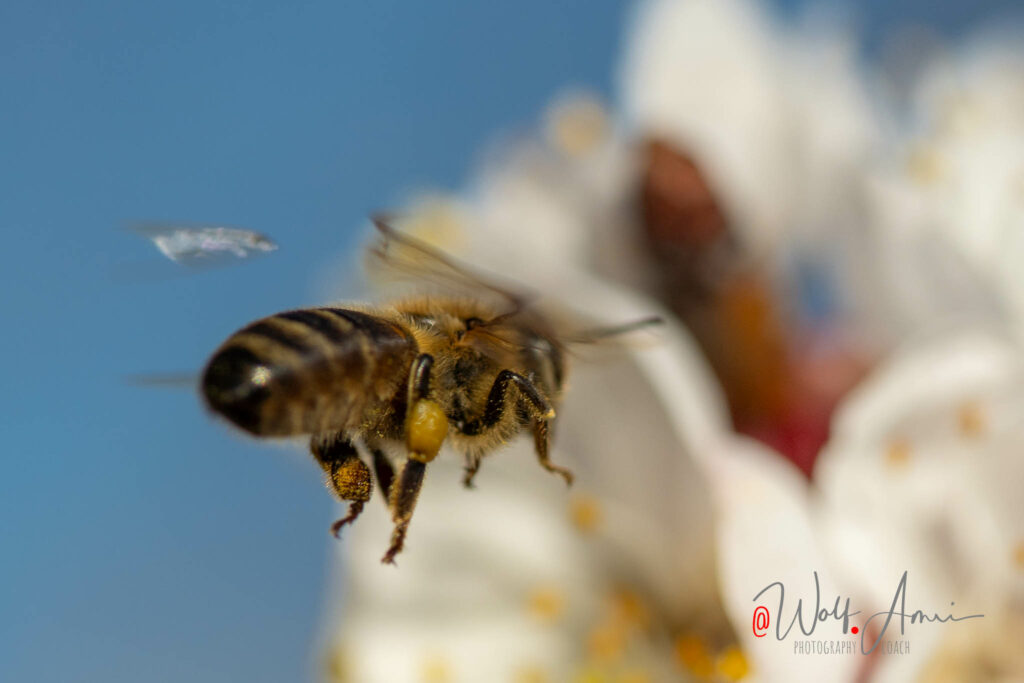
[854, 630]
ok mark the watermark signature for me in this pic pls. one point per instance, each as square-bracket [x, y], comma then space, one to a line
[876, 624]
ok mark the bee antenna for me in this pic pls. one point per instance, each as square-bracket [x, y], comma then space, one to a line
[599, 333]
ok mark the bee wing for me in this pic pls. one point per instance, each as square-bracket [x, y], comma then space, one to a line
[166, 380]
[397, 256]
[204, 245]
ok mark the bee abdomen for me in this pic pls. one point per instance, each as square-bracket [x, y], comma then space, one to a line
[307, 371]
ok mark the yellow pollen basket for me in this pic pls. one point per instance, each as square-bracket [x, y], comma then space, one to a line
[425, 430]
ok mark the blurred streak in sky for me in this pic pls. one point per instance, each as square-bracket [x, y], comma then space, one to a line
[143, 540]
[199, 245]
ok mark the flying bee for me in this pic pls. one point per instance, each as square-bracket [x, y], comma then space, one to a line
[415, 373]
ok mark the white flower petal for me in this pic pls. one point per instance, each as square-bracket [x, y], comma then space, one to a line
[917, 478]
[765, 534]
[957, 188]
[778, 118]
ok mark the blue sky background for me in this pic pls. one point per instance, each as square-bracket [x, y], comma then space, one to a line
[141, 540]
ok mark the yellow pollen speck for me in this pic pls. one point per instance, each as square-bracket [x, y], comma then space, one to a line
[590, 675]
[577, 125]
[1018, 555]
[924, 165]
[531, 674]
[435, 670]
[585, 513]
[897, 453]
[971, 419]
[692, 652]
[606, 642]
[630, 609]
[732, 664]
[636, 676]
[546, 603]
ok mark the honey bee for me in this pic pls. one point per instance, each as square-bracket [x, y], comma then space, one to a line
[415, 373]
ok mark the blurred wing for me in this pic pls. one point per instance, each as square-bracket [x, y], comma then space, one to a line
[166, 380]
[399, 257]
[204, 245]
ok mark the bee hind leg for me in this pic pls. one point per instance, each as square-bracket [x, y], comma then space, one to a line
[347, 476]
[384, 471]
[404, 493]
[425, 430]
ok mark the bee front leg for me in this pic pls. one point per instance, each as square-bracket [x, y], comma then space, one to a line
[347, 476]
[536, 404]
[426, 427]
[541, 438]
[472, 467]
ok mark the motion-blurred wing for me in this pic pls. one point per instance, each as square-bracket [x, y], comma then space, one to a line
[204, 245]
[398, 257]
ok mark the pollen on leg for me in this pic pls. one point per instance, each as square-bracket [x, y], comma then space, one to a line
[426, 430]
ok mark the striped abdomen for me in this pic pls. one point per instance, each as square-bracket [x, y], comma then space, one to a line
[308, 371]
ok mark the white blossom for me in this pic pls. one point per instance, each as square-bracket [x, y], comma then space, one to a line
[647, 569]
[947, 205]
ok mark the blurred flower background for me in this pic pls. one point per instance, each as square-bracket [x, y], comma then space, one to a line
[838, 266]
[825, 202]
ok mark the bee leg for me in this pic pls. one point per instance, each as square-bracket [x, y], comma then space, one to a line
[472, 467]
[536, 405]
[426, 427]
[347, 476]
[497, 403]
[541, 438]
[384, 471]
[403, 501]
